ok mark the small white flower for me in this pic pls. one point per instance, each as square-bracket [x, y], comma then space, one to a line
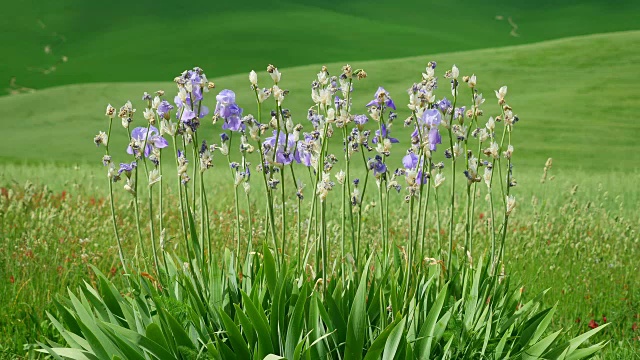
[493, 150]
[246, 186]
[455, 72]
[110, 111]
[331, 114]
[507, 154]
[472, 81]
[457, 150]
[340, 176]
[275, 75]
[511, 204]
[491, 124]
[150, 115]
[487, 177]
[439, 179]
[154, 177]
[168, 127]
[253, 78]
[156, 102]
[478, 99]
[101, 139]
[323, 77]
[278, 94]
[500, 94]
[129, 186]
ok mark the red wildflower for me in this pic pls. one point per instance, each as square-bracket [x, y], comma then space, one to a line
[12, 279]
[481, 216]
[593, 324]
[634, 327]
[604, 319]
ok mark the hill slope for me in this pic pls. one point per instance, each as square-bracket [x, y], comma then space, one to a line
[128, 41]
[576, 97]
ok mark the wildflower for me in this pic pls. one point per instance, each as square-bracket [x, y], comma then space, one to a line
[168, 127]
[127, 168]
[487, 176]
[457, 150]
[101, 139]
[492, 150]
[113, 174]
[509, 152]
[340, 176]
[593, 324]
[472, 81]
[110, 111]
[275, 74]
[444, 105]
[438, 180]
[501, 93]
[227, 109]
[511, 204]
[285, 148]
[377, 166]
[410, 161]
[140, 138]
[106, 160]
[382, 134]
[382, 98]
[150, 115]
[263, 94]
[129, 186]
[253, 78]
[154, 177]
[163, 109]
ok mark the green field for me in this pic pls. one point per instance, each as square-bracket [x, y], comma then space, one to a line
[572, 75]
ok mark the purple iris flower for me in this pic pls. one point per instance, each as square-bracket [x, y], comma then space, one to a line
[377, 166]
[286, 151]
[382, 98]
[434, 138]
[153, 139]
[444, 105]
[227, 109]
[164, 108]
[127, 168]
[360, 119]
[460, 112]
[410, 161]
[385, 135]
[431, 118]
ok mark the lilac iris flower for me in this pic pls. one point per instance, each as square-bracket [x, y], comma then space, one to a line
[360, 119]
[444, 105]
[410, 161]
[382, 98]
[127, 168]
[286, 151]
[227, 109]
[434, 138]
[385, 135]
[154, 139]
[460, 112]
[304, 149]
[164, 108]
[377, 166]
[431, 118]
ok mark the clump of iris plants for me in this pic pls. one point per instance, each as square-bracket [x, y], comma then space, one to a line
[321, 272]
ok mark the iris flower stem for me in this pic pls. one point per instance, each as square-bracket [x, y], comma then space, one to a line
[236, 202]
[270, 216]
[182, 214]
[113, 210]
[453, 188]
[137, 214]
[364, 188]
[407, 273]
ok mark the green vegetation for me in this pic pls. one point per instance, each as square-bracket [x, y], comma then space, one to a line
[575, 97]
[132, 41]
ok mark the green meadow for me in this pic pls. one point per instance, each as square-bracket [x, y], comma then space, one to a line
[572, 74]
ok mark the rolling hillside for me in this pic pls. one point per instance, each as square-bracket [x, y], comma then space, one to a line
[576, 97]
[132, 41]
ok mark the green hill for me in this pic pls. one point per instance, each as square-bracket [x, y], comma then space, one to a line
[132, 41]
[576, 97]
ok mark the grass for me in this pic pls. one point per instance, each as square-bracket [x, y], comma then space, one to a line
[564, 91]
[575, 235]
[124, 41]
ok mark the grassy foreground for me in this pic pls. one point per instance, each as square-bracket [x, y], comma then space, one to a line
[575, 235]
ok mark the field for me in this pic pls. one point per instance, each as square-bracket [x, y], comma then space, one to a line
[571, 70]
